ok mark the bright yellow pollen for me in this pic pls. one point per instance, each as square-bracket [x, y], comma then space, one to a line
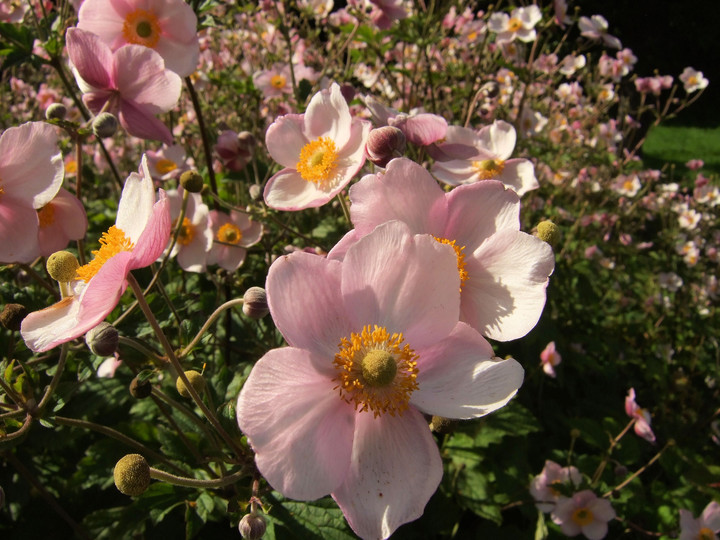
[472, 36]
[628, 185]
[376, 371]
[692, 81]
[229, 234]
[460, 258]
[165, 166]
[112, 242]
[141, 27]
[514, 24]
[71, 167]
[278, 81]
[706, 534]
[488, 168]
[187, 232]
[582, 517]
[318, 161]
[46, 215]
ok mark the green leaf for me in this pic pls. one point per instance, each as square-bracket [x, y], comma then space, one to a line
[306, 520]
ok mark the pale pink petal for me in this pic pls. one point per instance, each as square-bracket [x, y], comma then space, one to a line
[35, 181]
[287, 190]
[154, 237]
[140, 122]
[178, 44]
[422, 129]
[18, 231]
[92, 58]
[395, 469]
[351, 156]
[103, 292]
[477, 211]
[300, 282]
[142, 79]
[459, 377]
[136, 203]
[406, 283]
[595, 530]
[340, 248]
[70, 213]
[303, 441]
[519, 174]
[711, 516]
[285, 140]
[328, 115]
[42, 330]
[459, 143]
[525, 34]
[505, 291]
[104, 18]
[642, 429]
[498, 138]
[252, 231]
[689, 526]
[630, 405]
[96, 101]
[454, 172]
[405, 192]
[602, 510]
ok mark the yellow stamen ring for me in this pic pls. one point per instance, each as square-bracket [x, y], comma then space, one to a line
[376, 371]
[514, 24]
[318, 161]
[488, 168]
[460, 258]
[187, 232]
[112, 242]
[229, 234]
[46, 215]
[164, 166]
[582, 517]
[141, 27]
[278, 81]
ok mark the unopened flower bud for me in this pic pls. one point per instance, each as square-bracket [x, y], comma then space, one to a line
[348, 92]
[255, 303]
[196, 380]
[140, 389]
[192, 181]
[104, 125]
[56, 111]
[255, 191]
[252, 527]
[62, 266]
[12, 315]
[440, 424]
[132, 475]
[247, 141]
[103, 339]
[549, 232]
[575, 433]
[385, 143]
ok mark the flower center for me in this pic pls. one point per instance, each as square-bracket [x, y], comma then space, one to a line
[488, 168]
[141, 27]
[582, 516]
[318, 161]
[692, 81]
[112, 242]
[71, 167]
[229, 234]
[514, 24]
[706, 534]
[460, 258]
[278, 81]
[46, 215]
[187, 232]
[376, 371]
[165, 166]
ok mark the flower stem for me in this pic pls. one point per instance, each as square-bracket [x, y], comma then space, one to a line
[227, 305]
[195, 482]
[203, 134]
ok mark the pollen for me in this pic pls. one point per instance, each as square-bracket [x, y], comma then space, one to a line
[278, 81]
[187, 232]
[112, 242]
[46, 215]
[514, 24]
[460, 258]
[141, 27]
[377, 371]
[582, 517]
[71, 166]
[488, 168]
[165, 166]
[318, 161]
[229, 234]
[706, 534]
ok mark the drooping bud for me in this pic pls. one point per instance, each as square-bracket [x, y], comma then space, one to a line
[255, 303]
[348, 92]
[104, 125]
[56, 111]
[103, 339]
[252, 527]
[62, 266]
[132, 475]
[192, 181]
[196, 380]
[235, 149]
[255, 191]
[12, 315]
[140, 388]
[385, 143]
[549, 232]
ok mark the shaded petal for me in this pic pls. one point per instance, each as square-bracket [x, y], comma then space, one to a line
[42, 330]
[299, 427]
[285, 140]
[136, 203]
[142, 79]
[711, 516]
[339, 250]
[103, 292]
[405, 192]
[597, 529]
[155, 236]
[287, 190]
[328, 115]
[459, 377]
[421, 129]
[498, 138]
[454, 172]
[139, 122]
[519, 174]
[91, 57]
[69, 223]
[394, 470]
[406, 283]
[18, 231]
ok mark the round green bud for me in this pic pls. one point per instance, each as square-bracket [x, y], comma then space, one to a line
[440, 424]
[575, 433]
[196, 380]
[132, 475]
[12, 315]
[62, 266]
[255, 303]
[252, 527]
[192, 181]
[103, 339]
[140, 389]
[56, 111]
[104, 125]
[548, 232]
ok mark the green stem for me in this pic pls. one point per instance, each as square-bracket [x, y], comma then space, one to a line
[203, 134]
[194, 482]
[227, 305]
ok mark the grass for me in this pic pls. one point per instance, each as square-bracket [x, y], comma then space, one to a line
[679, 144]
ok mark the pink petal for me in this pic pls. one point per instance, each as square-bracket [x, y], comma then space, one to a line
[711, 516]
[394, 470]
[69, 223]
[504, 295]
[18, 231]
[140, 122]
[42, 330]
[602, 510]
[498, 138]
[405, 283]
[422, 129]
[103, 292]
[519, 174]
[405, 192]
[104, 18]
[300, 282]
[155, 235]
[285, 140]
[595, 530]
[299, 427]
[454, 172]
[337, 253]
[143, 80]
[136, 202]
[287, 190]
[459, 377]
[92, 58]
[328, 115]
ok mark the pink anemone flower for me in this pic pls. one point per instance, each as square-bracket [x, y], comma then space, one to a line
[321, 151]
[584, 513]
[504, 272]
[544, 486]
[494, 145]
[138, 237]
[642, 417]
[195, 237]
[167, 26]
[31, 173]
[233, 234]
[549, 358]
[704, 527]
[131, 83]
[61, 220]
[420, 128]
[374, 343]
